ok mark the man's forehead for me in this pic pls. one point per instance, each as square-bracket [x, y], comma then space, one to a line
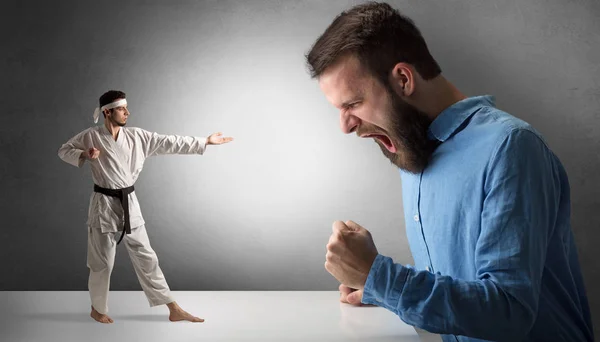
[342, 80]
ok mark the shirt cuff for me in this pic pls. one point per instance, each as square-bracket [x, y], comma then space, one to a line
[384, 283]
[203, 143]
[80, 160]
[74, 158]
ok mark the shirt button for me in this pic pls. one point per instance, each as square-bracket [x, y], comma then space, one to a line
[416, 217]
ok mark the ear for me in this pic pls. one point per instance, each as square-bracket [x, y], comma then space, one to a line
[402, 80]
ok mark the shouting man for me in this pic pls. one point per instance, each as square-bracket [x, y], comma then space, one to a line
[486, 201]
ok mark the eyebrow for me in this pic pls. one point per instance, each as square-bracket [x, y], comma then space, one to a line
[345, 104]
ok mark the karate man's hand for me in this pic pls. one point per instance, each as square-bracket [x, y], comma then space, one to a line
[91, 153]
[350, 296]
[350, 254]
[218, 139]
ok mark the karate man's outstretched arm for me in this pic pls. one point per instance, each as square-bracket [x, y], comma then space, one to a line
[158, 144]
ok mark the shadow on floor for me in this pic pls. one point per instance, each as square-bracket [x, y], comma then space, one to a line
[85, 317]
[142, 318]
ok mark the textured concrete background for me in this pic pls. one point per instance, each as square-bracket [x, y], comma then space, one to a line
[257, 213]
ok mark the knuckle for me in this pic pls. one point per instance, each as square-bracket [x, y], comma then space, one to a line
[333, 245]
[336, 226]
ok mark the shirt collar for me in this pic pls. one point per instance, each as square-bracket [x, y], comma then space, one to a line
[452, 118]
[106, 132]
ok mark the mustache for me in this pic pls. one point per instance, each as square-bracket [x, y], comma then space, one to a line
[367, 130]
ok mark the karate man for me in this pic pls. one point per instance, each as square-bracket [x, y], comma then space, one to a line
[116, 156]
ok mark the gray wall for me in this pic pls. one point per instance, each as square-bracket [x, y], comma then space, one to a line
[256, 214]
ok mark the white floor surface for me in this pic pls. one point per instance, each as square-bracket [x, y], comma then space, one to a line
[31, 316]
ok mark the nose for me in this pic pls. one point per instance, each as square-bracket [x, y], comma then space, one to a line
[348, 122]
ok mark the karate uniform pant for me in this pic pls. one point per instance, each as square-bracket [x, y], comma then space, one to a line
[101, 257]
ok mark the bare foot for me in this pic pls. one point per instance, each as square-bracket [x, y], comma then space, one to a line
[181, 315]
[178, 314]
[100, 317]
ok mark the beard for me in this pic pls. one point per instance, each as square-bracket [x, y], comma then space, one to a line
[408, 130]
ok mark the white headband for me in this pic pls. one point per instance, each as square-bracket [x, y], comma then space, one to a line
[108, 106]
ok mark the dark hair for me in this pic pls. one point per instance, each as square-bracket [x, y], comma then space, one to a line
[379, 36]
[111, 96]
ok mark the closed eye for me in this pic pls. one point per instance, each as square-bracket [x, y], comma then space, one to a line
[351, 105]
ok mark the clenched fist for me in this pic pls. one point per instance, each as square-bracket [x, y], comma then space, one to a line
[350, 254]
[91, 153]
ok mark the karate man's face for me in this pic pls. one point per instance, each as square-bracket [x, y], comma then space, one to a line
[118, 115]
[371, 110]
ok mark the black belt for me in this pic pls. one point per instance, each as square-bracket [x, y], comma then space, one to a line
[123, 195]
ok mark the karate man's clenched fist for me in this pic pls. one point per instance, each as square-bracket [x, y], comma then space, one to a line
[350, 254]
[92, 153]
[217, 139]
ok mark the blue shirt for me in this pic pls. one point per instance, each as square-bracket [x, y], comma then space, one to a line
[488, 224]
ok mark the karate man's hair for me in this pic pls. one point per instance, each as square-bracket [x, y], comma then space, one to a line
[379, 36]
[111, 96]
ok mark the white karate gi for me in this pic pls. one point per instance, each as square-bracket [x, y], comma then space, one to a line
[118, 166]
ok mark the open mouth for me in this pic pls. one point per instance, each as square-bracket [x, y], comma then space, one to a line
[384, 140]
